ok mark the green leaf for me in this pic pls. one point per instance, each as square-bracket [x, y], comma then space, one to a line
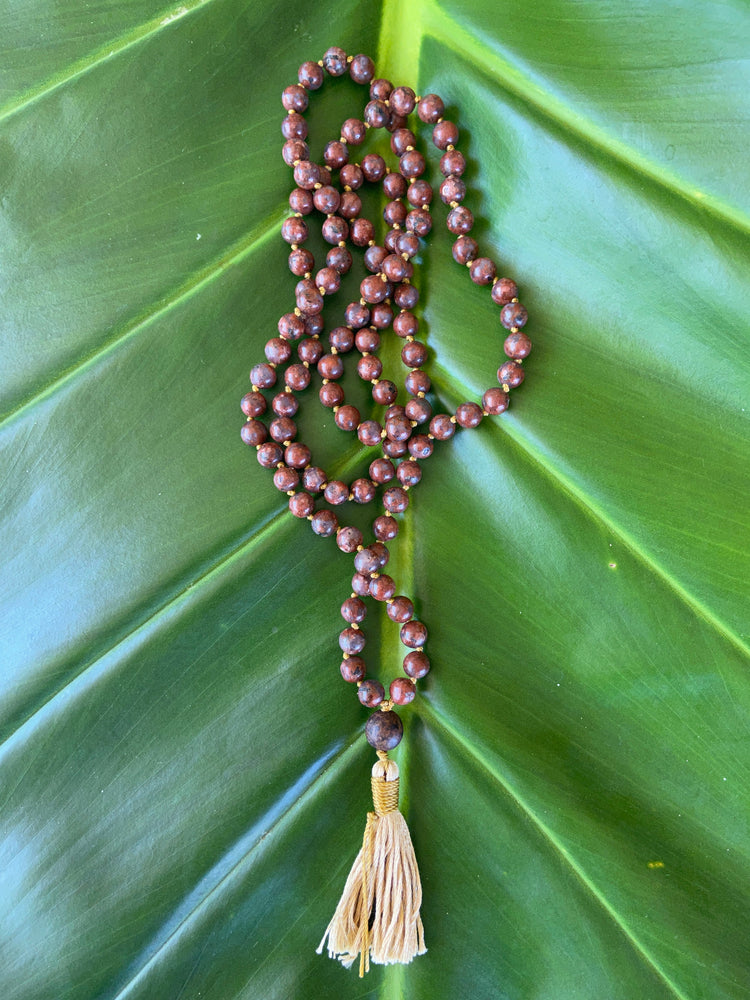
[183, 777]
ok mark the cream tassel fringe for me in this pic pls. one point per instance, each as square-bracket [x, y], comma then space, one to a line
[388, 928]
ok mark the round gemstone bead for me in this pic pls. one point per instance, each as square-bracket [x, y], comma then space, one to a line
[413, 634]
[384, 730]
[324, 523]
[253, 433]
[517, 345]
[301, 505]
[351, 640]
[382, 588]
[353, 669]
[510, 374]
[416, 664]
[371, 693]
[402, 690]
[513, 314]
[400, 609]
[349, 539]
[469, 415]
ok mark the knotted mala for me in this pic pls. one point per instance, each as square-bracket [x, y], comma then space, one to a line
[377, 917]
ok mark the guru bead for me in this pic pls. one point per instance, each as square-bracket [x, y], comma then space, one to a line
[384, 730]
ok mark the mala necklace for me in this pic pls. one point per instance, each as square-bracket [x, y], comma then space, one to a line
[377, 917]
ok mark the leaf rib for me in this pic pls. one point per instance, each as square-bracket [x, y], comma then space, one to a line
[128, 40]
[549, 836]
[235, 254]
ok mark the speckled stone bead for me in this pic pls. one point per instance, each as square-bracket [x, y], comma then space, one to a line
[285, 479]
[353, 131]
[297, 377]
[517, 345]
[369, 433]
[384, 730]
[369, 368]
[349, 538]
[413, 634]
[395, 499]
[331, 366]
[301, 262]
[380, 89]
[347, 417]
[253, 404]
[406, 324]
[253, 433]
[371, 693]
[282, 429]
[336, 492]
[503, 291]
[414, 353]
[335, 229]
[295, 98]
[301, 505]
[495, 400]
[351, 176]
[482, 271]
[293, 150]
[385, 392]
[313, 479]
[324, 523]
[336, 154]
[510, 374]
[465, 249]
[452, 189]
[403, 100]
[285, 404]
[406, 296]
[416, 664]
[301, 201]
[373, 167]
[418, 410]
[340, 259]
[342, 338]
[331, 394]
[361, 585]
[297, 455]
[382, 470]
[445, 134]
[351, 640]
[420, 446]
[419, 222]
[294, 230]
[430, 109]
[402, 690]
[385, 528]
[409, 473]
[363, 491]
[306, 174]
[382, 588]
[334, 61]
[513, 315]
[460, 220]
[353, 669]
[469, 415]
[294, 126]
[310, 75]
[361, 69]
[376, 114]
[400, 609]
[269, 455]
[417, 381]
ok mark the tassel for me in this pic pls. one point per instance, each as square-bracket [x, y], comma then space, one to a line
[388, 927]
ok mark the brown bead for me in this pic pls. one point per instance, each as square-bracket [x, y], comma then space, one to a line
[420, 446]
[384, 730]
[368, 561]
[401, 139]
[402, 690]
[331, 366]
[374, 257]
[301, 505]
[398, 428]
[349, 538]
[290, 326]
[510, 374]
[400, 609]
[382, 588]
[408, 243]
[517, 345]
[385, 392]
[331, 394]
[310, 75]
[253, 433]
[363, 491]
[503, 291]
[417, 381]
[376, 114]
[324, 523]
[381, 315]
[294, 98]
[469, 415]
[308, 298]
[482, 271]
[335, 229]
[282, 429]
[297, 455]
[327, 200]
[313, 327]
[294, 126]
[371, 693]
[334, 61]
[285, 479]
[297, 377]
[362, 232]
[419, 194]
[306, 174]
[394, 449]
[339, 259]
[350, 205]
[394, 185]
[361, 69]
[416, 664]
[513, 315]
[412, 164]
[301, 201]
[394, 411]
[406, 296]
[294, 230]
[452, 162]
[395, 500]
[253, 404]
[403, 100]
[368, 433]
[353, 131]
[310, 350]
[293, 150]
[419, 222]
[369, 368]
[395, 268]
[452, 189]
[347, 418]
[353, 669]
[413, 634]
[495, 401]
[406, 324]
[342, 338]
[442, 427]
[465, 249]
[418, 410]
[380, 89]
[409, 473]
[351, 640]
[336, 492]
[313, 479]
[367, 341]
[263, 375]
[382, 551]
[285, 404]
[445, 134]
[269, 455]
[356, 315]
[385, 528]
[391, 240]
[373, 167]
[301, 262]
[361, 585]
[382, 471]
[328, 280]
[373, 288]
[351, 176]
[414, 354]
[336, 154]
[395, 213]
[460, 220]
[430, 109]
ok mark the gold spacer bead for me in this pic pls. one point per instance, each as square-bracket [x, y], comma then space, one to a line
[350, 59]
[309, 517]
[307, 275]
[409, 149]
[515, 299]
[420, 395]
[345, 656]
[505, 387]
[386, 706]
[453, 420]
[255, 389]
[450, 147]
[353, 625]
[383, 435]
[294, 246]
[453, 204]
[321, 63]
[290, 493]
[297, 311]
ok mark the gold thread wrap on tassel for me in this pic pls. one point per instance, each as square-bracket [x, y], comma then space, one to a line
[377, 916]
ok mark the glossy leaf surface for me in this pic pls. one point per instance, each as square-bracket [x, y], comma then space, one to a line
[183, 773]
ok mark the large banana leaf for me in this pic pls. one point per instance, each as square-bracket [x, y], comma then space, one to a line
[184, 778]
